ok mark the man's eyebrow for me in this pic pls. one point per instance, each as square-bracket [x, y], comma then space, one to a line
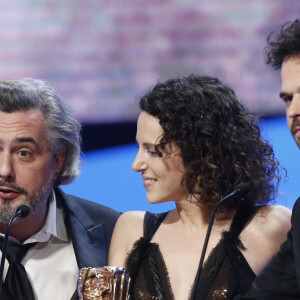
[283, 94]
[30, 140]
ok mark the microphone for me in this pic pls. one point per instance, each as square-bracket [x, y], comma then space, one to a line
[21, 212]
[238, 191]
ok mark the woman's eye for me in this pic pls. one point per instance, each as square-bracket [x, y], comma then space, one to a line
[152, 152]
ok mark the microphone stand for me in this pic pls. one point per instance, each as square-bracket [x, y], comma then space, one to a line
[239, 190]
[22, 211]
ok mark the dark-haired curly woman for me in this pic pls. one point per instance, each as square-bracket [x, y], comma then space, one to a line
[196, 143]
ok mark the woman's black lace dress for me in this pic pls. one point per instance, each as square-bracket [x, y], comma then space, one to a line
[226, 272]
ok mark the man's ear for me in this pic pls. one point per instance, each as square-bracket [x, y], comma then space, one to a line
[59, 160]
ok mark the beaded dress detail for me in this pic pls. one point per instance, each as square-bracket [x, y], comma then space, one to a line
[225, 274]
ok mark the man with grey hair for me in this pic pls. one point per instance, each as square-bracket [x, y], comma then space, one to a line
[39, 150]
[281, 278]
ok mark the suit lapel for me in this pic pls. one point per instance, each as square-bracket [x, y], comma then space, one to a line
[89, 244]
[88, 238]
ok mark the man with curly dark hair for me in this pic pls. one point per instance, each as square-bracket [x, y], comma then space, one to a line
[281, 278]
[196, 143]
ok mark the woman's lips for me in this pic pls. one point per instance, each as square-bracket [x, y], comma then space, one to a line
[149, 181]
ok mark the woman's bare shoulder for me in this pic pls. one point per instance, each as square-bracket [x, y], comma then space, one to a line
[274, 213]
[128, 229]
[132, 216]
[264, 234]
[131, 223]
[273, 220]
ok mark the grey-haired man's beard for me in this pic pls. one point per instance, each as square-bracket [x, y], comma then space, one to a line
[6, 212]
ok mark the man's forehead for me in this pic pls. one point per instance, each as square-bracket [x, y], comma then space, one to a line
[21, 127]
[290, 73]
[32, 116]
[291, 60]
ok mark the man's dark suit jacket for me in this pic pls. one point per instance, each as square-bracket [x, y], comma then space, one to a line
[90, 227]
[281, 278]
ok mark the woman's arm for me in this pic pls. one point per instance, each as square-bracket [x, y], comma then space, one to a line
[265, 233]
[128, 229]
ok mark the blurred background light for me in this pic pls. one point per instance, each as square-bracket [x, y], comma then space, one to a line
[100, 56]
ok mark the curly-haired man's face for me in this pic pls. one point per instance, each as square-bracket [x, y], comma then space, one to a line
[162, 175]
[290, 93]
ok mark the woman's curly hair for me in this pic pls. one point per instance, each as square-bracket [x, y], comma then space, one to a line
[219, 139]
[285, 43]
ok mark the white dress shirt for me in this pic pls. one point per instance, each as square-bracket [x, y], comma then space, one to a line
[51, 264]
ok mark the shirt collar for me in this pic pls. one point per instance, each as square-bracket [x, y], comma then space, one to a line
[54, 225]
